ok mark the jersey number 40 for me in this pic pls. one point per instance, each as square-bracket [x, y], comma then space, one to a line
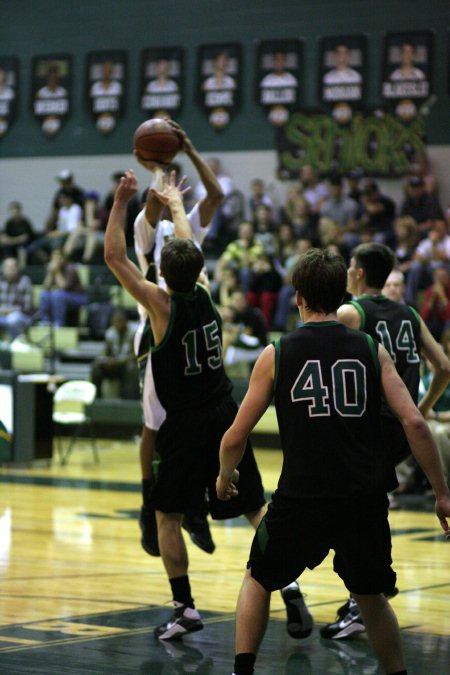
[349, 390]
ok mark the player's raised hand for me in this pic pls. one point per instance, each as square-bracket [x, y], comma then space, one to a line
[171, 192]
[127, 187]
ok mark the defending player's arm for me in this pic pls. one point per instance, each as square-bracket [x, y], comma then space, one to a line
[214, 194]
[255, 403]
[441, 366]
[171, 195]
[154, 299]
[416, 429]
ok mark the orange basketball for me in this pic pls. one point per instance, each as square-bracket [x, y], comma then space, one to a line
[155, 140]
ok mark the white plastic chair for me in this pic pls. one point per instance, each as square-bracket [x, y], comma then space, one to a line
[69, 409]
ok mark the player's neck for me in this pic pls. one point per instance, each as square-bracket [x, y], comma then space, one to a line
[317, 317]
[368, 290]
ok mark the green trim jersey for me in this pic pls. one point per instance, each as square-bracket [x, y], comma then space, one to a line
[187, 364]
[327, 399]
[397, 327]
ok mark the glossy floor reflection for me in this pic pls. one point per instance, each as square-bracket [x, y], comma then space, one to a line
[79, 596]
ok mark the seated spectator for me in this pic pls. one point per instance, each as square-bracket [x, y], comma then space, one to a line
[432, 252]
[62, 290]
[341, 210]
[286, 296]
[241, 254]
[292, 194]
[264, 228]
[66, 184]
[264, 287]
[394, 286]
[405, 229]
[239, 344]
[420, 205]
[221, 214]
[229, 283]
[16, 294]
[93, 230]
[244, 320]
[258, 197]
[69, 227]
[354, 190]
[421, 166]
[378, 213]
[285, 242]
[314, 191]
[331, 234]
[118, 361]
[435, 310]
[17, 234]
[302, 220]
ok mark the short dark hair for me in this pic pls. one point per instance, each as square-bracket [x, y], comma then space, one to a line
[321, 278]
[181, 263]
[377, 261]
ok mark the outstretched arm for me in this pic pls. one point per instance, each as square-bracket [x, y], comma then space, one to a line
[171, 195]
[441, 366]
[418, 433]
[214, 194]
[255, 403]
[154, 299]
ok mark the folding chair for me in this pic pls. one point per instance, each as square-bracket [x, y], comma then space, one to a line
[69, 405]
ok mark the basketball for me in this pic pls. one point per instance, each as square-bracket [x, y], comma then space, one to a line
[155, 140]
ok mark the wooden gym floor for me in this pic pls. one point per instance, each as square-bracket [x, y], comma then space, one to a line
[79, 595]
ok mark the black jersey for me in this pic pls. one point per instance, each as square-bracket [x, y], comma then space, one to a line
[397, 327]
[187, 364]
[327, 398]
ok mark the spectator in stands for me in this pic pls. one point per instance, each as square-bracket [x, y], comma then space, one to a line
[302, 220]
[285, 242]
[264, 228]
[435, 310]
[264, 287]
[238, 343]
[354, 190]
[378, 213]
[17, 234]
[68, 230]
[93, 230]
[331, 234]
[405, 229]
[421, 166]
[394, 286]
[241, 254]
[314, 191]
[229, 283]
[258, 197]
[118, 361]
[250, 319]
[62, 292]
[16, 294]
[432, 252]
[286, 296]
[420, 205]
[66, 183]
[341, 210]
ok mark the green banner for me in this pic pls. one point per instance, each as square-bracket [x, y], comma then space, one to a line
[378, 143]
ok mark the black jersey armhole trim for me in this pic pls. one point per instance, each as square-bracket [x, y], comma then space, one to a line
[277, 345]
[361, 313]
[415, 313]
[374, 351]
[173, 306]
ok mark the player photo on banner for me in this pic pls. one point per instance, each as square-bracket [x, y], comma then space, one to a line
[279, 78]
[9, 77]
[407, 71]
[342, 74]
[219, 68]
[105, 88]
[162, 71]
[51, 91]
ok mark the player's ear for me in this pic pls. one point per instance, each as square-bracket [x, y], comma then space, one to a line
[298, 298]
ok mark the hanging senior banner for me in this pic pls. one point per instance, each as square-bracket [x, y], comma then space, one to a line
[342, 75]
[9, 76]
[106, 73]
[407, 72]
[279, 78]
[219, 72]
[51, 91]
[162, 71]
